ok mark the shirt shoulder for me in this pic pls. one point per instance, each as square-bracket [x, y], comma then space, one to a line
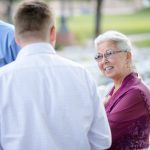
[74, 67]
[7, 32]
[7, 69]
[6, 26]
[68, 62]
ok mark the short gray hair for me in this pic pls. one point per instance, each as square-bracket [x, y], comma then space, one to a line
[120, 39]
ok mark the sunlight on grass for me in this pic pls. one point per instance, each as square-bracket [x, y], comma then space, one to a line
[132, 24]
[83, 26]
[143, 43]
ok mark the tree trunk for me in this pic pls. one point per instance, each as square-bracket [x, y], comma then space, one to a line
[9, 10]
[98, 18]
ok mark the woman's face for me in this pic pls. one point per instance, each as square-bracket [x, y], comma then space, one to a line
[115, 62]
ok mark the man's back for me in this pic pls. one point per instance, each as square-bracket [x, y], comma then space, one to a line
[56, 107]
[8, 47]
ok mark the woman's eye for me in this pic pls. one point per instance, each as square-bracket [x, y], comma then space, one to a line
[109, 53]
[100, 56]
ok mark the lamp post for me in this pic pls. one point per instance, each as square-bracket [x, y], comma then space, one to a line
[8, 12]
[63, 26]
[98, 17]
[64, 36]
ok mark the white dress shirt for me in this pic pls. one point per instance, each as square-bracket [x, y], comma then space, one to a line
[50, 103]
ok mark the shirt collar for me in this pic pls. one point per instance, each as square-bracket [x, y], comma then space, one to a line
[36, 48]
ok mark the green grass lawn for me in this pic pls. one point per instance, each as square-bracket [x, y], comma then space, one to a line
[83, 26]
[143, 43]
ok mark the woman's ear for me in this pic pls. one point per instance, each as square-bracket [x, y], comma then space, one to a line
[129, 55]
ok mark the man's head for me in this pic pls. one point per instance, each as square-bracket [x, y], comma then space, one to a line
[34, 22]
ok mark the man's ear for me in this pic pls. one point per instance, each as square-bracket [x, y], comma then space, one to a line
[17, 39]
[53, 35]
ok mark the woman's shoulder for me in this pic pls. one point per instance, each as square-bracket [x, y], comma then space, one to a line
[140, 89]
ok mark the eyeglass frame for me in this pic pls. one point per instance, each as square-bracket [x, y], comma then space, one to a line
[106, 55]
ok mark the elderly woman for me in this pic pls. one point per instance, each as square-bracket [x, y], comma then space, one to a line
[128, 102]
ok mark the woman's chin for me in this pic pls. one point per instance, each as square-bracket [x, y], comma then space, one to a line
[109, 74]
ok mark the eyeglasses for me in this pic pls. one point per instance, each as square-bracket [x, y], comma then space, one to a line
[108, 54]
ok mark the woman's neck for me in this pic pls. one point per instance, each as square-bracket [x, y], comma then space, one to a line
[119, 80]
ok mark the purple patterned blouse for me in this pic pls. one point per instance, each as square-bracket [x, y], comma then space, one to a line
[128, 112]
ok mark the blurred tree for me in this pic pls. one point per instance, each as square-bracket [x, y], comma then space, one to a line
[63, 26]
[148, 1]
[8, 9]
[64, 36]
[98, 17]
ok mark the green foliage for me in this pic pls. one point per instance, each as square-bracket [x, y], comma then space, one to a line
[143, 43]
[83, 26]
[138, 22]
[143, 12]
